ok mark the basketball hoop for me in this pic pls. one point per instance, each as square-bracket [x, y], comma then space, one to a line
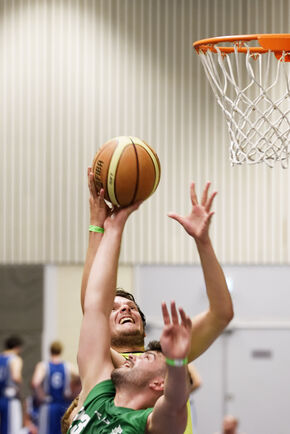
[250, 77]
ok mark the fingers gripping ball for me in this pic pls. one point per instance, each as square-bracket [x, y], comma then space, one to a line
[128, 170]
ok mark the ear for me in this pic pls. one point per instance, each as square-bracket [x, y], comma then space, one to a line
[157, 384]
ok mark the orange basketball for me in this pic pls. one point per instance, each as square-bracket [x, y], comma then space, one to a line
[128, 169]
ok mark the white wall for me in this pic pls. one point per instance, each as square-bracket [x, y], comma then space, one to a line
[254, 388]
[75, 73]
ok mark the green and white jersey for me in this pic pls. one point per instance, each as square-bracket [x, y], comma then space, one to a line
[100, 415]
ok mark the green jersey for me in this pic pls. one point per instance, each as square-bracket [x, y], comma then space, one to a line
[100, 415]
[189, 426]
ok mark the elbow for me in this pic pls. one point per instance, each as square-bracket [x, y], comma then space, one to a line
[17, 380]
[197, 384]
[228, 316]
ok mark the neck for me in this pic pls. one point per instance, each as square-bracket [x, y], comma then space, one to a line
[128, 348]
[132, 398]
[55, 359]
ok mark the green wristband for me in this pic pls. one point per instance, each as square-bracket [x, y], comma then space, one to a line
[93, 228]
[177, 362]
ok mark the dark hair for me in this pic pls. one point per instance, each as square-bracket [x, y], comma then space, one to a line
[13, 342]
[154, 346]
[120, 292]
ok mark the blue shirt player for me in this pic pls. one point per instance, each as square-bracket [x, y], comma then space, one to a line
[51, 381]
[10, 380]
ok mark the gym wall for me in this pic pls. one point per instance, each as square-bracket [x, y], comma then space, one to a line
[75, 73]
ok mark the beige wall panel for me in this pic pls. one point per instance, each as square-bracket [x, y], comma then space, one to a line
[73, 74]
[68, 313]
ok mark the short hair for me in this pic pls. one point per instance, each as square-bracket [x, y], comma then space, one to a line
[56, 348]
[120, 292]
[154, 346]
[13, 342]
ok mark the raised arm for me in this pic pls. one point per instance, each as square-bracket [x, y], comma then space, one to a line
[170, 414]
[94, 357]
[98, 214]
[207, 326]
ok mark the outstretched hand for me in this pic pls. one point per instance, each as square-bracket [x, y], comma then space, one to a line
[176, 336]
[197, 222]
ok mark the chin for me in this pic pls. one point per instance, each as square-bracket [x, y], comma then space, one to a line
[128, 329]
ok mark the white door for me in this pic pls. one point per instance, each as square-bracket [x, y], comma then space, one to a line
[258, 380]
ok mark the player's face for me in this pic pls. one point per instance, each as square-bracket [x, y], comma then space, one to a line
[148, 361]
[125, 318]
[141, 369]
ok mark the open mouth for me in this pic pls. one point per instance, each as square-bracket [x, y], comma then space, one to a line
[126, 320]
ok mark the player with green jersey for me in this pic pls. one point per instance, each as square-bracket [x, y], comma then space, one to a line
[127, 321]
[119, 400]
[108, 418]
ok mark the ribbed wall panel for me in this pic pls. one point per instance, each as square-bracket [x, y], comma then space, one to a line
[75, 73]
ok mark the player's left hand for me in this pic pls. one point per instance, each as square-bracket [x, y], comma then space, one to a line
[197, 222]
[176, 336]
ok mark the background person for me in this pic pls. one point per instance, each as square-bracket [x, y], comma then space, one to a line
[230, 425]
[11, 364]
[51, 382]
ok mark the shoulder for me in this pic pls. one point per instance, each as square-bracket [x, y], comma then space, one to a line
[16, 360]
[98, 409]
[41, 366]
[104, 389]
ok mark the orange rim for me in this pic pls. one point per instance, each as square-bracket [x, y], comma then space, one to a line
[277, 43]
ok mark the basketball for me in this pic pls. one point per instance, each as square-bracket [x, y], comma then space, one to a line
[128, 170]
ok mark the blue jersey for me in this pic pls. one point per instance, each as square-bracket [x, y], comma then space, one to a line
[8, 388]
[56, 386]
[10, 407]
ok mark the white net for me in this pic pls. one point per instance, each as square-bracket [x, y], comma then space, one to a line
[253, 91]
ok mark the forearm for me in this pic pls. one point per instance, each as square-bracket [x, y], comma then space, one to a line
[176, 388]
[39, 393]
[103, 275]
[95, 239]
[94, 359]
[219, 298]
[98, 214]
[170, 411]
